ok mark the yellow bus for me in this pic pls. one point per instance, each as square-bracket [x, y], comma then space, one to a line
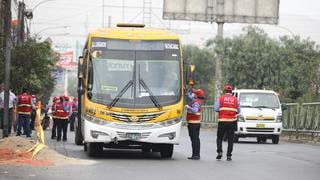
[130, 90]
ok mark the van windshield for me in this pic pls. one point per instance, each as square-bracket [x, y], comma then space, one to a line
[259, 100]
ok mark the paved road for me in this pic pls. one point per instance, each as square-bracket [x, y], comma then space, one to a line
[285, 161]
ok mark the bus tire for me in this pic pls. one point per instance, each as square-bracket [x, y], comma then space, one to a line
[166, 151]
[94, 149]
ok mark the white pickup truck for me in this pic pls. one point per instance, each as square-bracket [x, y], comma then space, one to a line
[260, 115]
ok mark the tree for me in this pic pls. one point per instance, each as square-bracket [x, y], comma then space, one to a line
[31, 68]
[289, 66]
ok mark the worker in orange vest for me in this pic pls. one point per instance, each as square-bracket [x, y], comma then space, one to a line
[62, 109]
[74, 106]
[194, 108]
[24, 112]
[227, 107]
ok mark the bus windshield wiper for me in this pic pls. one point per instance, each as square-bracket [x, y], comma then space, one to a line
[152, 97]
[123, 90]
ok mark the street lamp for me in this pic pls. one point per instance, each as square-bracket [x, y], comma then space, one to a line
[50, 28]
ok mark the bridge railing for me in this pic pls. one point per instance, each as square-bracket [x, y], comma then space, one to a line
[303, 117]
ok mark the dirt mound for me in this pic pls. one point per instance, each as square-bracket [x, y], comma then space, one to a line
[13, 151]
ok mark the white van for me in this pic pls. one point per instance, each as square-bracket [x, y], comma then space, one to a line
[260, 115]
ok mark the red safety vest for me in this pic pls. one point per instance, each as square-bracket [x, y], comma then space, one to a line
[228, 108]
[73, 105]
[194, 117]
[24, 103]
[60, 113]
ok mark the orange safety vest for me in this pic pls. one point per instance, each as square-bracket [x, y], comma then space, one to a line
[24, 103]
[228, 108]
[194, 117]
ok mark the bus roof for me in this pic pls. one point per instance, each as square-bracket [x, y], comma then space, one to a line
[134, 33]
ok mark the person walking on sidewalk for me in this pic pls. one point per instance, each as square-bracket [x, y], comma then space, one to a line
[227, 107]
[194, 108]
[24, 112]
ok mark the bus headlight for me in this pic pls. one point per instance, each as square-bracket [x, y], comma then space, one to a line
[170, 122]
[96, 120]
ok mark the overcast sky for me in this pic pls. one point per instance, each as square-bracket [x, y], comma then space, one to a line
[300, 17]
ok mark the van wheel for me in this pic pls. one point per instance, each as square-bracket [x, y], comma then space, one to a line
[275, 139]
[166, 151]
[94, 149]
[264, 140]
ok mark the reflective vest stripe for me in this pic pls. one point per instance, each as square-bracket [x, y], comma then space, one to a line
[24, 105]
[197, 113]
[20, 112]
[194, 121]
[228, 109]
[227, 119]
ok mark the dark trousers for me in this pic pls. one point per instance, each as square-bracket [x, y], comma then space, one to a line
[9, 121]
[62, 125]
[72, 117]
[24, 121]
[54, 128]
[194, 131]
[227, 128]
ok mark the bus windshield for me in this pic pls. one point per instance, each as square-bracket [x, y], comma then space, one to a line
[134, 74]
[259, 100]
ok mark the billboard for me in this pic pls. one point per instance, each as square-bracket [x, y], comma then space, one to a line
[229, 11]
[66, 60]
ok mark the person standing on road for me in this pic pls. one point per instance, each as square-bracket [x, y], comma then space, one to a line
[74, 106]
[12, 99]
[194, 108]
[24, 112]
[227, 107]
[63, 109]
[55, 100]
[33, 112]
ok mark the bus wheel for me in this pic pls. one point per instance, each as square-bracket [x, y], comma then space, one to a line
[275, 139]
[264, 140]
[94, 149]
[166, 151]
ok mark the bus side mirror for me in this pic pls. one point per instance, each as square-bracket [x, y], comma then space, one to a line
[80, 67]
[284, 107]
[190, 74]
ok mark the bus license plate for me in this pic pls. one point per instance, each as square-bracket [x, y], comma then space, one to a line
[133, 136]
[260, 126]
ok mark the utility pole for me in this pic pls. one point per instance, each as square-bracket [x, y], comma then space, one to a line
[220, 22]
[21, 33]
[7, 37]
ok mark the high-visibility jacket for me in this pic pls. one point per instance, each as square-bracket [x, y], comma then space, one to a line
[24, 103]
[228, 108]
[194, 117]
[74, 106]
[62, 113]
[54, 111]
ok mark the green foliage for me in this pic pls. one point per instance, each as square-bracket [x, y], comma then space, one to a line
[289, 66]
[204, 61]
[31, 65]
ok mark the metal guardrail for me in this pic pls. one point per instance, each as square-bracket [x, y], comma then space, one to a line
[303, 117]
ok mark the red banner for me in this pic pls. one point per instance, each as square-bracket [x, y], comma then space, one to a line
[66, 59]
